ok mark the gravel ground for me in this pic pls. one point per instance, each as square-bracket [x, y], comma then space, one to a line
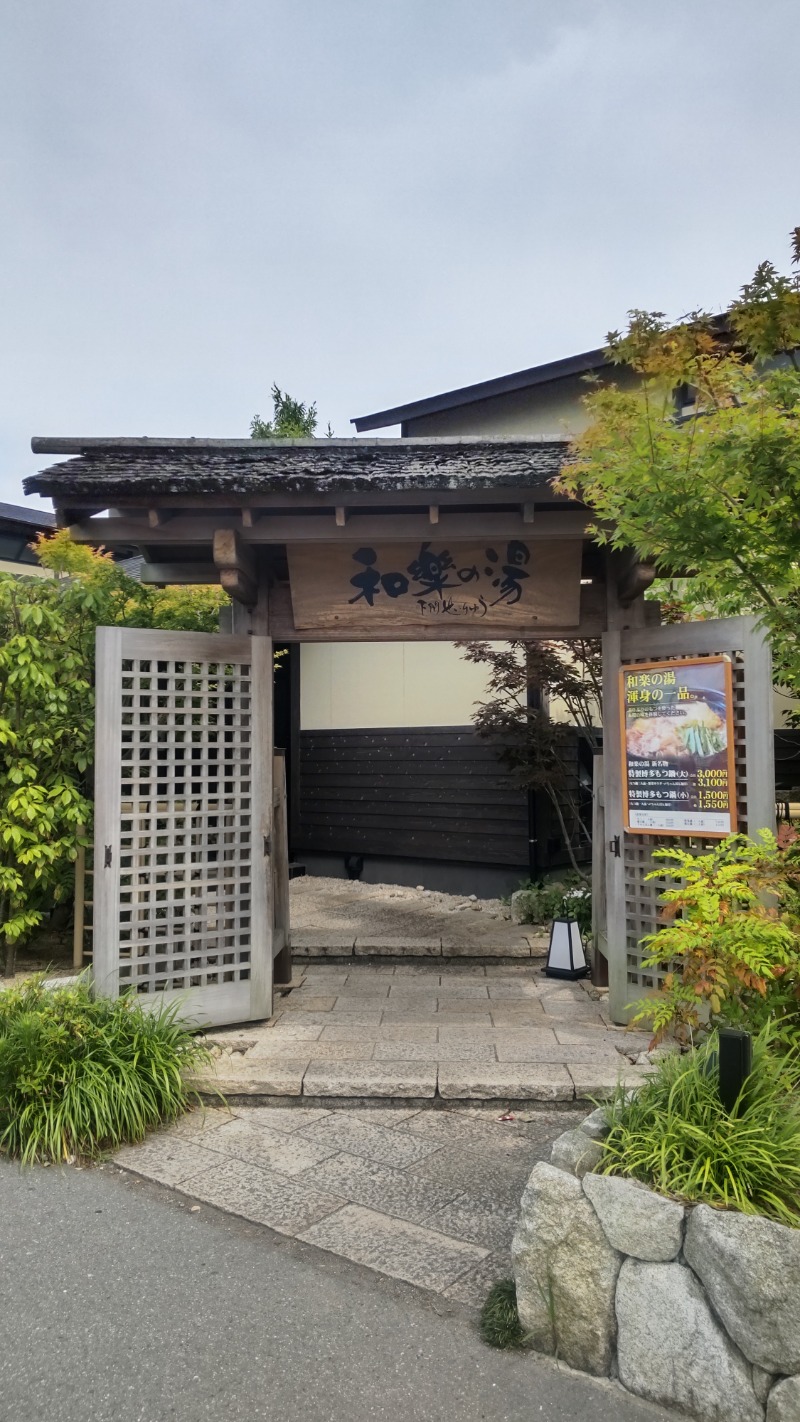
[372, 910]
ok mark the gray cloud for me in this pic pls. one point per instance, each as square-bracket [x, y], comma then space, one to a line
[365, 200]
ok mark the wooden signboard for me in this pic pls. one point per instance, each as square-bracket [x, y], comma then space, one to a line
[677, 747]
[510, 583]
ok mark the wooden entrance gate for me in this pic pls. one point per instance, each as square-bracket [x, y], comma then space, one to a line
[333, 541]
[182, 901]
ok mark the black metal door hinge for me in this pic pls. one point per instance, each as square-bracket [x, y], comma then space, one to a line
[267, 846]
[107, 857]
[614, 846]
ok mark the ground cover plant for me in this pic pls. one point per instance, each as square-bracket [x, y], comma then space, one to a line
[80, 1075]
[675, 1135]
[500, 1325]
[567, 897]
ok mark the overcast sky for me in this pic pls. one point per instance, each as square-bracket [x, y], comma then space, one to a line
[367, 201]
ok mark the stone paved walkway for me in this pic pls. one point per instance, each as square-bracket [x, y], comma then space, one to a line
[426, 1196]
[418, 1032]
[423, 1184]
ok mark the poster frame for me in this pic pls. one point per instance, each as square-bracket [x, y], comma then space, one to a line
[659, 665]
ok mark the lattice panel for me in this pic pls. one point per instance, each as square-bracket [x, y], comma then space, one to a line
[186, 824]
[641, 897]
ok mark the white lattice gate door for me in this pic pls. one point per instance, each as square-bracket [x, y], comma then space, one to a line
[183, 811]
[632, 901]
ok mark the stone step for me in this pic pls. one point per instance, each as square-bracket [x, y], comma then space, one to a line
[318, 943]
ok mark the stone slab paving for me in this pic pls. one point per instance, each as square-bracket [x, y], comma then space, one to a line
[468, 1032]
[373, 1139]
[427, 1196]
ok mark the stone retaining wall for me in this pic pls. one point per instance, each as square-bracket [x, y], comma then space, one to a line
[691, 1308]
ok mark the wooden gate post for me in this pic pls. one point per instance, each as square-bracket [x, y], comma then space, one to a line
[599, 917]
[619, 619]
[281, 937]
[632, 901]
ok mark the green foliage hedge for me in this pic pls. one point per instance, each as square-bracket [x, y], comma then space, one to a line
[80, 1075]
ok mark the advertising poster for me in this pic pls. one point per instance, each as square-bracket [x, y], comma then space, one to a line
[677, 747]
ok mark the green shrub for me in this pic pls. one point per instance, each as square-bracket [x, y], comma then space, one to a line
[79, 1074]
[557, 898]
[500, 1325]
[730, 940]
[675, 1134]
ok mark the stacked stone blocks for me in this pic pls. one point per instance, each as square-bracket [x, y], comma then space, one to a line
[690, 1307]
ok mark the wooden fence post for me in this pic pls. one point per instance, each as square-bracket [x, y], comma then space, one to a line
[79, 912]
[282, 947]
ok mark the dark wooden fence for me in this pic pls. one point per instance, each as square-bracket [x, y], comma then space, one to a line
[436, 793]
[432, 793]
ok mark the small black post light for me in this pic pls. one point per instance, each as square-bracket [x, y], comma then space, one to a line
[565, 956]
[735, 1064]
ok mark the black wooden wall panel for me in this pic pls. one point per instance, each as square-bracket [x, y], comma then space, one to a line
[787, 762]
[430, 792]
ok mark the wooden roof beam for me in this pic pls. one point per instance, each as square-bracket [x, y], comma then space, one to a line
[163, 574]
[633, 580]
[198, 527]
[236, 565]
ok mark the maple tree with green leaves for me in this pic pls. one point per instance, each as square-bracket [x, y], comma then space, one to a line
[698, 469]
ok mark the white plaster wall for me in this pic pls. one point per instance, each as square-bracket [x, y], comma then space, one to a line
[25, 570]
[784, 706]
[361, 684]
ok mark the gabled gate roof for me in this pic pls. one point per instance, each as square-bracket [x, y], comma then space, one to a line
[237, 511]
[124, 470]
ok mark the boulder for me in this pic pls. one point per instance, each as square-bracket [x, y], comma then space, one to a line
[762, 1382]
[576, 1152]
[784, 1401]
[565, 1272]
[750, 1267]
[671, 1349]
[596, 1125]
[636, 1220]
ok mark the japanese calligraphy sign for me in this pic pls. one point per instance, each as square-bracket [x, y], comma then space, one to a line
[677, 747]
[496, 583]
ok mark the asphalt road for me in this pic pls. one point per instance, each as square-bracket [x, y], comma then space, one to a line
[118, 1304]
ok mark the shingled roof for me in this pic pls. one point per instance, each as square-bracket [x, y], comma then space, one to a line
[111, 471]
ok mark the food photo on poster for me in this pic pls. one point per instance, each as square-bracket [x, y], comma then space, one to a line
[678, 747]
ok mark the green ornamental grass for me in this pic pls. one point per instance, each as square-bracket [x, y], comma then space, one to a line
[675, 1134]
[79, 1074]
[500, 1325]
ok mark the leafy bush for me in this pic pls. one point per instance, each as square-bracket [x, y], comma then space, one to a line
[675, 1134]
[500, 1325]
[79, 1074]
[732, 937]
[560, 898]
[47, 641]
